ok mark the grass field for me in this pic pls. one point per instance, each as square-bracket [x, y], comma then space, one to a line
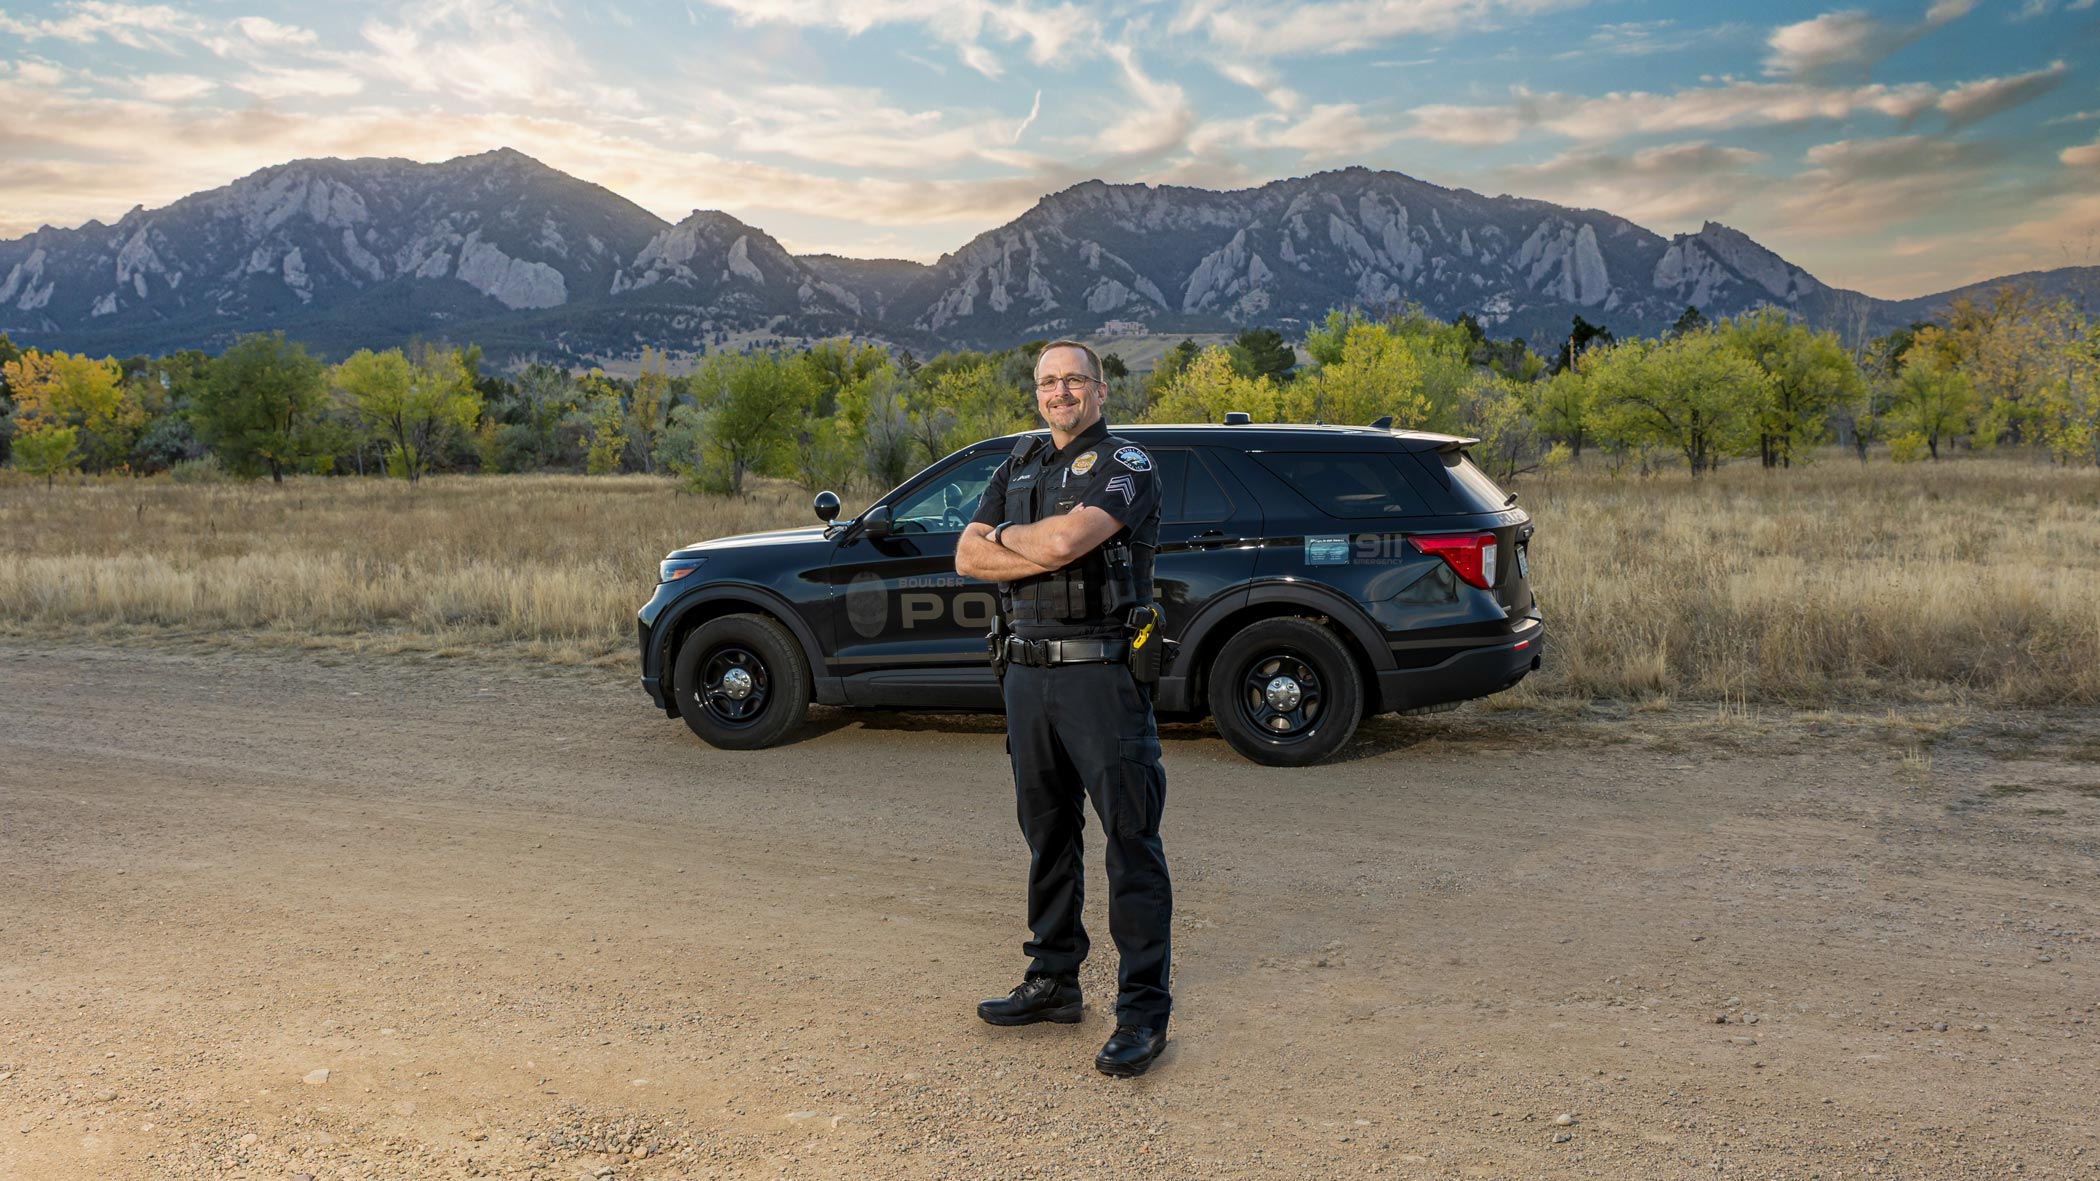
[1971, 579]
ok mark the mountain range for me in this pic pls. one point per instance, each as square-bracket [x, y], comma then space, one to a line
[501, 250]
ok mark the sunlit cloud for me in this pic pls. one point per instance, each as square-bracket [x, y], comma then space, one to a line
[1985, 97]
[1850, 38]
[1255, 28]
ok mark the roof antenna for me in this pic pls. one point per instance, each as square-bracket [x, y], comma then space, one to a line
[1384, 423]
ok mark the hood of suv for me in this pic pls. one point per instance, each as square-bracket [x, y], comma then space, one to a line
[801, 536]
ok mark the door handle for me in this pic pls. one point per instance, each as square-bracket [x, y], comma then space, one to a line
[1212, 538]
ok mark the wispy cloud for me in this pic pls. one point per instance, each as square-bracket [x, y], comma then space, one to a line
[1658, 186]
[1850, 38]
[1978, 100]
[1033, 111]
[1649, 38]
[1264, 29]
[1694, 110]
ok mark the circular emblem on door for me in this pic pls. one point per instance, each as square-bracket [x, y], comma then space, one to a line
[867, 605]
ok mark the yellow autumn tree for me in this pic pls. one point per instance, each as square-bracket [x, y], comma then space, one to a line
[1377, 374]
[1208, 388]
[54, 390]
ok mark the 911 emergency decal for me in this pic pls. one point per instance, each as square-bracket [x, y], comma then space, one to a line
[1134, 459]
[1083, 464]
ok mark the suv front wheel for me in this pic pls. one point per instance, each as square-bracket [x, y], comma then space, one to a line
[740, 682]
[1285, 692]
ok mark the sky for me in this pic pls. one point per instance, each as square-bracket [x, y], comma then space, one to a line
[1898, 148]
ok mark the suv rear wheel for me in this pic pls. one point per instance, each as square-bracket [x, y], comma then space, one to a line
[1285, 692]
[740, 682]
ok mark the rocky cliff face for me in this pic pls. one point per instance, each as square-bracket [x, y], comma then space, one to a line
[302, 242]
[1188, 259]
[502, 250]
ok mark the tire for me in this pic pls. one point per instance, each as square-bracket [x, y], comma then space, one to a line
[740, 682]
[1323, 681]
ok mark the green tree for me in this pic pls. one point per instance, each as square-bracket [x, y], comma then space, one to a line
[1582, 336]
[1689, 320]
[545, 395]
[46, 451]
[874, 416]
[258, 405]
[1693, 395]
[757, 403]
[984, 404]
[1811, 376]
[1493, 410]
[1930, 399]
[836, 364]
[1267, 353]
[1561, 408]
[413, 405]
[1324, 343]
[648, 407]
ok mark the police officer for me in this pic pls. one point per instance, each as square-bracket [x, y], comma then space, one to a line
[1068, 526]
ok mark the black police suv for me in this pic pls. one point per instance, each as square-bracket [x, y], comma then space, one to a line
[1310, 575]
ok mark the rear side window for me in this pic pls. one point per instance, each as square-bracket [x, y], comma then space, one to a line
[1471, 489]
[1354, 485]
[1188, 490]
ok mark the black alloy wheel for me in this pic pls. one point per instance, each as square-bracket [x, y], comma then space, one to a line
[740, 682]
[1285, 692]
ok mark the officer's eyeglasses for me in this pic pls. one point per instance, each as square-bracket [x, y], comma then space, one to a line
[1073, 382]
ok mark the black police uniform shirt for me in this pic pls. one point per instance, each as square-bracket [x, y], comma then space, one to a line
[1120, 480]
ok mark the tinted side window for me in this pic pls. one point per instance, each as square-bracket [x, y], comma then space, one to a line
[1203, 498]
[1363, 484]
[946, 503]
[1172, 463]
[1188, 491]
[1472, 490]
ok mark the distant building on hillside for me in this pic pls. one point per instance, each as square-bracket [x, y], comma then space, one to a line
[1123, 328]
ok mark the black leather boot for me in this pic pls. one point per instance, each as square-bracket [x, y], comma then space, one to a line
[1038, 998]
[1131, 1049]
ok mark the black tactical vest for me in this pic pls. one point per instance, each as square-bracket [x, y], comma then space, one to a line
[1093, 594]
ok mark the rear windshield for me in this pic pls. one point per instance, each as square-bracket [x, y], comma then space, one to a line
[1347, 485]
[1468, 485]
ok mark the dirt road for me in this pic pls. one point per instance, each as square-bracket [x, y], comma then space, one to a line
[529, 929]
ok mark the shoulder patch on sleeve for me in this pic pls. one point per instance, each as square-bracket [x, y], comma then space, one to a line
[1134, 458]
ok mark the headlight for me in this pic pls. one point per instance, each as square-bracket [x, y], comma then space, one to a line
[673, 569]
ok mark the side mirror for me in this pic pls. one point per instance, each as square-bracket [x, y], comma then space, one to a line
[827, 506]
[875, 523]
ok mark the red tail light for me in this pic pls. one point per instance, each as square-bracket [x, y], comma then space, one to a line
[1470, 555]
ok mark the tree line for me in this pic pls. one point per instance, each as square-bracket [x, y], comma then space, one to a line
[2010, 369]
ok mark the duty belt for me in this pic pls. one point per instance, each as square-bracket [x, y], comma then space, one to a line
[1043, 653]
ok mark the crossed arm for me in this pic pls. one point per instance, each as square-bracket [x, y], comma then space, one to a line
[1025, 551]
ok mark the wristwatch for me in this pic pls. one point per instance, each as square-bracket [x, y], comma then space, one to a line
[994, 534]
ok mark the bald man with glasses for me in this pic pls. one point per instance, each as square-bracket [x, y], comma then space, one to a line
[1068, 527]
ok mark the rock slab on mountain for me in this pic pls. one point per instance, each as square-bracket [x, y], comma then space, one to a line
[505, 251]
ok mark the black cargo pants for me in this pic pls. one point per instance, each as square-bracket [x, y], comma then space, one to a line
[1086, 730]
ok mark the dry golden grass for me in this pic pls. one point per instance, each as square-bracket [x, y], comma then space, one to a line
[1968, 579]
[555, 563]
[1971, 577]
